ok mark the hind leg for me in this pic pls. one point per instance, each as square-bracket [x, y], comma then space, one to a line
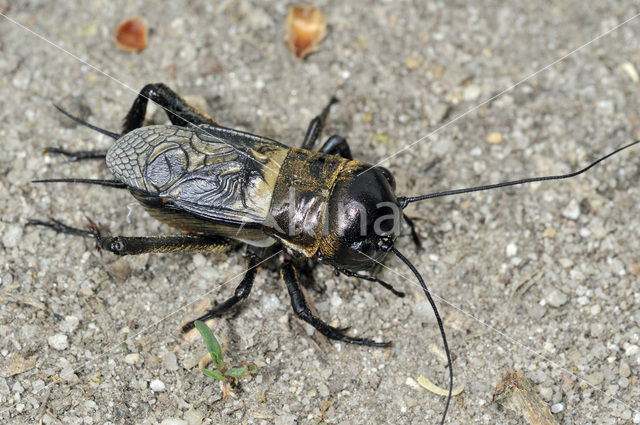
[178, 110]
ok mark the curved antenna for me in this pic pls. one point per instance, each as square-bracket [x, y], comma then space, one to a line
[110, 183]
[440, 325]
[404, 200]
[86, 124]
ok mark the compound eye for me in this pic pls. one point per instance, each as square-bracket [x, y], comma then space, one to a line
[363, 247]
[387, 175]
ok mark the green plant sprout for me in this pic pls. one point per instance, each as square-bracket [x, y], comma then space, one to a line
[223, 373]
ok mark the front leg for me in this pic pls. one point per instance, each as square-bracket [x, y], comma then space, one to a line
[290, 276]
[316, 125]
[336, 145]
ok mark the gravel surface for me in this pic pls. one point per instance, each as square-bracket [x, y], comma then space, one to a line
[549, 268]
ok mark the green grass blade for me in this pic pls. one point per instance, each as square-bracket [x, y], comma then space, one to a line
[237, 372]
[214, 375]
[210, 341]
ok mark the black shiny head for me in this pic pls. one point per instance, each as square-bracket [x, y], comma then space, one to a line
[363, 219]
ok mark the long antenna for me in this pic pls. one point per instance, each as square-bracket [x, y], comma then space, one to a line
[110, 183]
[86, 124]
[440, 325]
[404, 200]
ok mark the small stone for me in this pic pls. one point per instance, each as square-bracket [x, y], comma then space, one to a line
[285, 419]
[193, 416]
[413, 62]
[133, 358]
[557, 408]
[191, 361]
[631, 350]
[556, 298]
[412, 383]
[69, 324]
[633, 269]
[323, 390]
[12, 236]
[624, 369]
[512, 249]
[630, 70]
[157, 386]
[58, 341]
[546, 393]
[119, 269]
[572, 211]
[605, 107]
[494, 138]
[595, 378]
[336, 301]
[596, 329]
[170, 361]
[583, 300]
[471, 92]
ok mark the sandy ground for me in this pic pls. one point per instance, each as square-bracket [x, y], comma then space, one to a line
[541, 279]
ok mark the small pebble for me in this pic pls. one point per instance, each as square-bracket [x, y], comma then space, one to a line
[193, 416]
[471, 92]
[512, 249]
[157, 386]
[624, 370]
[170, 361]
[133, 358]
[69, 324]
[58, 341]
[572, 211]
[630, 70]
[12, 236]
[556, 298]
[546, 393]
[413, 62]
[557, 408]
[494, 138]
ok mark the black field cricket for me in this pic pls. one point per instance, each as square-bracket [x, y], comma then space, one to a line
[223, 187]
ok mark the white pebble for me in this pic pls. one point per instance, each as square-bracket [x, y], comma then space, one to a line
[572, 211]
[557, 408]
[170, 361]
[157, 386]
[512, 249]
[471, 92]
[632, 350]
[12, 236]
[556, 298]
[133, 358]
[546, 393]
[58, 341]
[193, 416]
[70, 324]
